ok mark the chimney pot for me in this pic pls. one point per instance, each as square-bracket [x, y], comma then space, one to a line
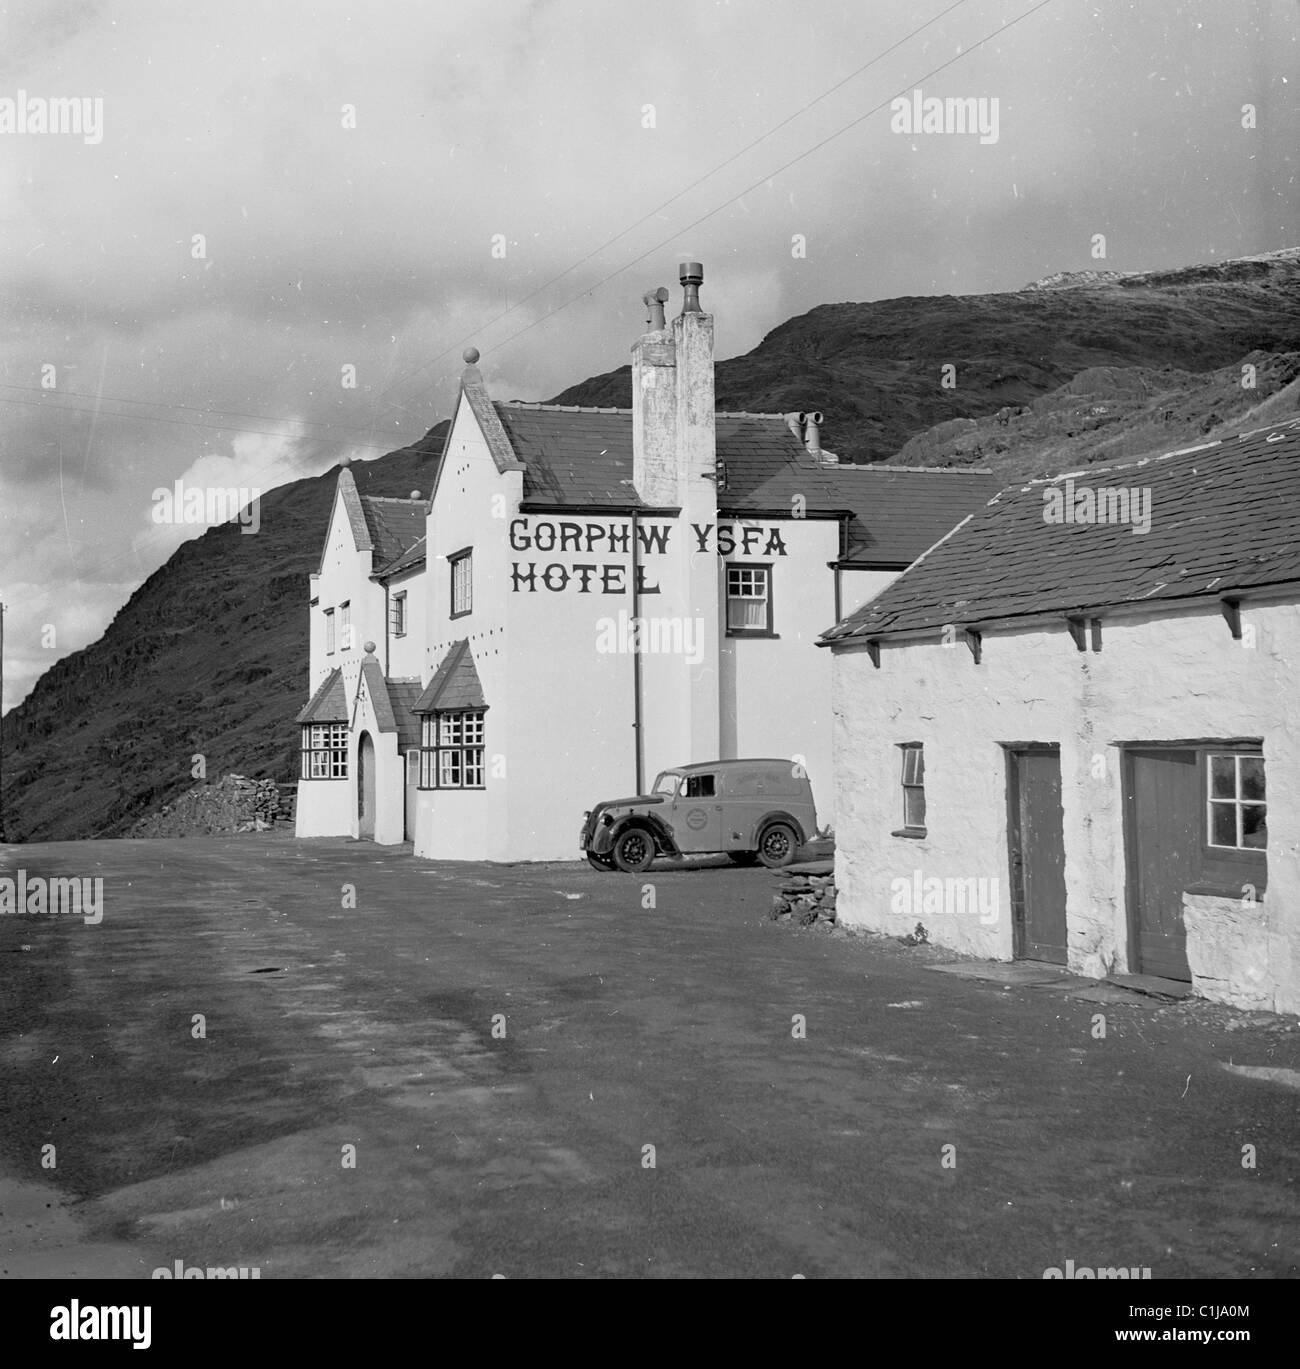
[691, 274]
[654, 300]
[812, 435]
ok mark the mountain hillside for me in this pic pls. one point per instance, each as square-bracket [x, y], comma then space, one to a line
[209, 655]
[876, 370]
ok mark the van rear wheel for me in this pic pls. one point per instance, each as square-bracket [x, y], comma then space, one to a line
[777, 845]
[634, 850]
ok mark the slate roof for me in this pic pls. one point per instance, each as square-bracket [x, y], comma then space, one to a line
[394, 525]
[901, 511]
[1223, 517]
[329, 704]
[455, 683]
[578, 456]
[572, 455]
[393, 703]
[412, 558]
[404, 695]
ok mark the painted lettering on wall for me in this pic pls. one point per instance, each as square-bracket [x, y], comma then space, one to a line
[615, 539]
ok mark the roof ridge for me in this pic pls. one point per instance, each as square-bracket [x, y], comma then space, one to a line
[559, 408]
[391, 499]
[746, 413]
[918, 470]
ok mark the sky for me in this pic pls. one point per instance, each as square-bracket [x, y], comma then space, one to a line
[278, 226]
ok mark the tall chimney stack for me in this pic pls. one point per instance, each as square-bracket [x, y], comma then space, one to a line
[698, 475]
[654, 407]
[674, 466]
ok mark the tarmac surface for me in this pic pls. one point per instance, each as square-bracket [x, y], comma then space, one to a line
[203, 1059]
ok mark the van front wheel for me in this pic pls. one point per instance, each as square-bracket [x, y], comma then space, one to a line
[777, 845]
[634, 850]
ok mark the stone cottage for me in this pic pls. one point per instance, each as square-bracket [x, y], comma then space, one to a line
[1070, 732]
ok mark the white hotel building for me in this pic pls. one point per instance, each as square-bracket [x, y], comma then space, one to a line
[589, 596]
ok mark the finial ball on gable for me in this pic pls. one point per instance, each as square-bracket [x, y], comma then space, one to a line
[471, 355]
[370, 648]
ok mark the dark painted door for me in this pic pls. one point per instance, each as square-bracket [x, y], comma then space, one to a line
[366, 788]
[1036, 836]
[1163, 803]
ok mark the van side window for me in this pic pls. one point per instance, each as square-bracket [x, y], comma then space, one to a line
[699, 787]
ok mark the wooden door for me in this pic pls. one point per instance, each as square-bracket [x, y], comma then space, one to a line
[1036, 841]
[1162, 802]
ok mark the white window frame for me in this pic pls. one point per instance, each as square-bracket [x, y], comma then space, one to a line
[451, 751]
[324, 751]
[744, 579]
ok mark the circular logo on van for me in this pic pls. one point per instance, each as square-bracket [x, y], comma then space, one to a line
[697, 819]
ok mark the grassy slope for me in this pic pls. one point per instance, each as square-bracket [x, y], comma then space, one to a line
[208, 656]
[875, 369]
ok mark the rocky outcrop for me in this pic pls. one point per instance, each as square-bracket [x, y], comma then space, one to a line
[807, 896]
[232, 804]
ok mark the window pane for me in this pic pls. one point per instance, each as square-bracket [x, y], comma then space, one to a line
[911, 765]
[913, 808]
[1252, 777]
[1223, 777]
[1223, 824]
[1254, 828]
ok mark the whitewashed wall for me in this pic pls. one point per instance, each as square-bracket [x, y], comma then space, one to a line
[406, 654]
[1156, 679]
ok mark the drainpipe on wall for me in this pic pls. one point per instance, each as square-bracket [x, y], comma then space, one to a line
[387, 625]
[636, 661]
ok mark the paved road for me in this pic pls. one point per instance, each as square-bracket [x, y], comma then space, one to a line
[670, 1027]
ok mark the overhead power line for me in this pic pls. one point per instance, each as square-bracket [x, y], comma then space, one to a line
[685, 190]
[762, 180]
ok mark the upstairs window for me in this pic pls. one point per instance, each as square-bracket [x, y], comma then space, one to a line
[913, 788]
[325, 751]
[451, 756]
[329, 632]
[345, 625]
[397, 614]
[462, 582]
[749, 601]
